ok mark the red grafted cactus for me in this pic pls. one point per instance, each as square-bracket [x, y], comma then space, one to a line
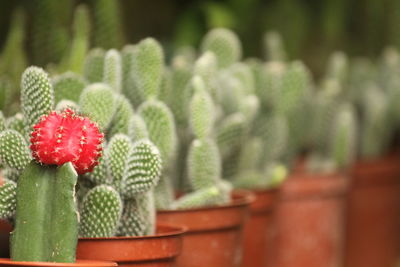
[67, 137]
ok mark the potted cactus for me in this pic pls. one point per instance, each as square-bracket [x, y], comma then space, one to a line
[176, 105]
[43, 196]
[375, 188]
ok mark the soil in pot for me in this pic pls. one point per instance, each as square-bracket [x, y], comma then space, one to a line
[79, 263]
[159, 250]
[309, 221]
[258, 229]
[373, 215]
[214, 234]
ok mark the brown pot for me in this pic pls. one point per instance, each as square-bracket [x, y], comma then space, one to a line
[214, 234]
[309, 221]
[5, 229]
[159, 250]
[373, 217]
[257, 231]
[78, 263]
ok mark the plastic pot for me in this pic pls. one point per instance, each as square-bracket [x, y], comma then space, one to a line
[309, 221]
[79, 263]
[258, 229]
[373, 217]
[214, 234]
[159, 250]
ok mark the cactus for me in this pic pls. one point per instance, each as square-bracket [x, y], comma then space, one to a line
[143, 169]
[338, 67]
[53, 141]
[16, 123]
[67, 104]
[68, 86]
[137, 128]
[116, 154]
[273, 47]
[101, 212]
[14, 151]
[8, 191]
[112, 74]
[93, 66]
[98, 101]
[74, 58]
[123, 114]
[206, 67]
[147, 67]
[225, 45]
[36, 96]
[46, 222]
[107, 30]
[2, 122]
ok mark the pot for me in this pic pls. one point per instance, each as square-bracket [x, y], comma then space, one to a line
[373, 217]
[159, 250]
[214, 234]
[309, 221]
[5, 229]
[258, 229]
[79, 263]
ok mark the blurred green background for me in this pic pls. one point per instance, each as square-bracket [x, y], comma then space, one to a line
[311, 29]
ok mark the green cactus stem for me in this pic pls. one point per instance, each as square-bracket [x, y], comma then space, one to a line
[113, 70]
[14, 152]
[8, 203]
[93, 66]
[46, 221]
[68, 86]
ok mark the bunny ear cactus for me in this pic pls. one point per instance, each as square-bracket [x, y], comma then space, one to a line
[123, 114]
[68, 86]
[273, 47]
[37, 97]
[16, 123]
[2, 122]
[137, 128]
[8, 191]
[338, 67]
[101, 212]
[206, 67]
[224, 44]
[14, 152]
[112, 74]
[98, 101]
[93, 67]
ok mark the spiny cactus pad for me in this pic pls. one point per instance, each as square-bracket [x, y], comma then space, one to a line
[97, 101]
[36, 95]
[16, 123]
[225, 45]
[208, 196]
[122, 116]
[113, 70]
[160, 126]
[147, 67]
[116, 155]
[101, 212]
[93, 67]
[201, 110]
[66, 137]
[143, 168]
[14, 152]
[8, 202]
[137, 128]
[68, 86]
[204, 163]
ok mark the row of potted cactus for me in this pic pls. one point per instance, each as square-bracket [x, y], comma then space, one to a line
[126, 139]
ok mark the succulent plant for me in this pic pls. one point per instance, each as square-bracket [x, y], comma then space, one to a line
[273, 47]
[68, 86]
[93, 67]
[112, 74]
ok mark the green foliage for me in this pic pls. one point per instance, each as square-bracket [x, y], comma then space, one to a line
[100, 213]
[8, 203]
[93, 66]
[36, 96]
[14, 152]
[224, 44]
[68, 86]
[98, 102]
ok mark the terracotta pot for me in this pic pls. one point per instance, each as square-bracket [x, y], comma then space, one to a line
[214, 234]
[257, 232]
[159, 250]
[309, 221]
[373, 224]
[78, 263]
[5, 229]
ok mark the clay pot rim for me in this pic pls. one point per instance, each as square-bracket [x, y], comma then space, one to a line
[83, 263]
[241, 197]
[265, 190]
[171, 231]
